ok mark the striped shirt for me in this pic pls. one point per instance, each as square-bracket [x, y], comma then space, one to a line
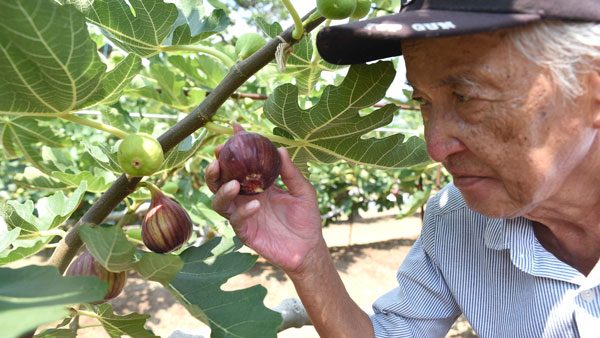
[495, 272]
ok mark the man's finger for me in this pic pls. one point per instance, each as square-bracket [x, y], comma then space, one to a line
[239, 217]
[293, 178]
[223, 201]
[218, 150]
[212, 176]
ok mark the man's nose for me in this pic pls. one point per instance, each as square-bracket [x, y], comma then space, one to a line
[441, 137]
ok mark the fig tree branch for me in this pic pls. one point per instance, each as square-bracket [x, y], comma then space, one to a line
[202, 114]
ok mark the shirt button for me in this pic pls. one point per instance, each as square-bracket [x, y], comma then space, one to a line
[588, 295]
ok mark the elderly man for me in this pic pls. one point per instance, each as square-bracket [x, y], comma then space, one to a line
[510, 98]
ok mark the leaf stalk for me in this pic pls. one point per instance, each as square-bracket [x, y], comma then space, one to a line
[95, 124]
[298, 26]
[215, 128]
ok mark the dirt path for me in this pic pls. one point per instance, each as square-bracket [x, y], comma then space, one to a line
[378, 244]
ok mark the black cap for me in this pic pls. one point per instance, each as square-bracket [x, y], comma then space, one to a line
[368, 40]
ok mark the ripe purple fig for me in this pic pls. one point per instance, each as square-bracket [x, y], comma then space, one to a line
[251, 159]
[167, 226]
[86, 265]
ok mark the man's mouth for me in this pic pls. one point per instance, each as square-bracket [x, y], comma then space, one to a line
[467, 181]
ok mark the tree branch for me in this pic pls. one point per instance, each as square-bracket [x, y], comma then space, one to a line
[125, 185]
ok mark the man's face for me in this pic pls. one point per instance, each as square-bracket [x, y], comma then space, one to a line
[496, 121]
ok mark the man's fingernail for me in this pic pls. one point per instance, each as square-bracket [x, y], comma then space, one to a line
[252, 205]
[229, 186]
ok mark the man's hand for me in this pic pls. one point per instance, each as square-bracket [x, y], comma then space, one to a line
[283, 226]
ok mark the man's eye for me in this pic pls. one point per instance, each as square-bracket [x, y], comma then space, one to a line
[461, 98]
[419, 100]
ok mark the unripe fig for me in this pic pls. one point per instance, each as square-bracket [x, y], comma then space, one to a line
[336, 9]
[363, 7]
[251, 159]
[248, 43]
[167, 226]
[140, 154]
[86, 265]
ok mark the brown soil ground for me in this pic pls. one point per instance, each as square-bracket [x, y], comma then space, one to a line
[366, 254]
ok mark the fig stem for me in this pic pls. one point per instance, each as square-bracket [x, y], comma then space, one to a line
[95, 124]
[215, 128]
[87, 314]
[314, 16]
[299, 28]
[89, 326]
[135, 241]
[45, 233]
[153, 189]
[201, 49]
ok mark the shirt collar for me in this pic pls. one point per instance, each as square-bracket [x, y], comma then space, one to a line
[526, 253]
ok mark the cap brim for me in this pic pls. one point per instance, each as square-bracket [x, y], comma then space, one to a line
[373, 39]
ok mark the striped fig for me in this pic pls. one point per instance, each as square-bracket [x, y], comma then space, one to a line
[251, 159]
[86, 265]
[167, 226]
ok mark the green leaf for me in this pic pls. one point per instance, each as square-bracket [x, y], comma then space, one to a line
[272, 30]
[198, 204]
[413, 204]
[34, 231]
[304, 64]
[108, 245]
[176, 157]
[131, 325]
[43, 73]
[190, 28]
[158, 267]
[36, 295]
[22, 135]
[56, 333]
[49, 63]
[7, 236]
[96, 182]
[32, 178]
[105, 156]
[20, 249]
[141, 33]
[169, 89]
[332, 129]
[116, 80]
[53, 211]
[239, 313]
[204, 71]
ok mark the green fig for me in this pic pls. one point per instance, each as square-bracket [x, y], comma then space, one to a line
[140, 154]
[363, 7]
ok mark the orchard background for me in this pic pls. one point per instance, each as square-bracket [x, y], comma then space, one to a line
[79, 76]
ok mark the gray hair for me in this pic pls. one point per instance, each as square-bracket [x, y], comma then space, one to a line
[567, 49]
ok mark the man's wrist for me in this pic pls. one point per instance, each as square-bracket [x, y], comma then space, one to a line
[315, 263]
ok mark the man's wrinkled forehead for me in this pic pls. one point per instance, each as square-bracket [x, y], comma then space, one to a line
[459, 61]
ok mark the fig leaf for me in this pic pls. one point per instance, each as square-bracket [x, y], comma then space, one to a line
[36, 295]
[333, 129]
[239, 313]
